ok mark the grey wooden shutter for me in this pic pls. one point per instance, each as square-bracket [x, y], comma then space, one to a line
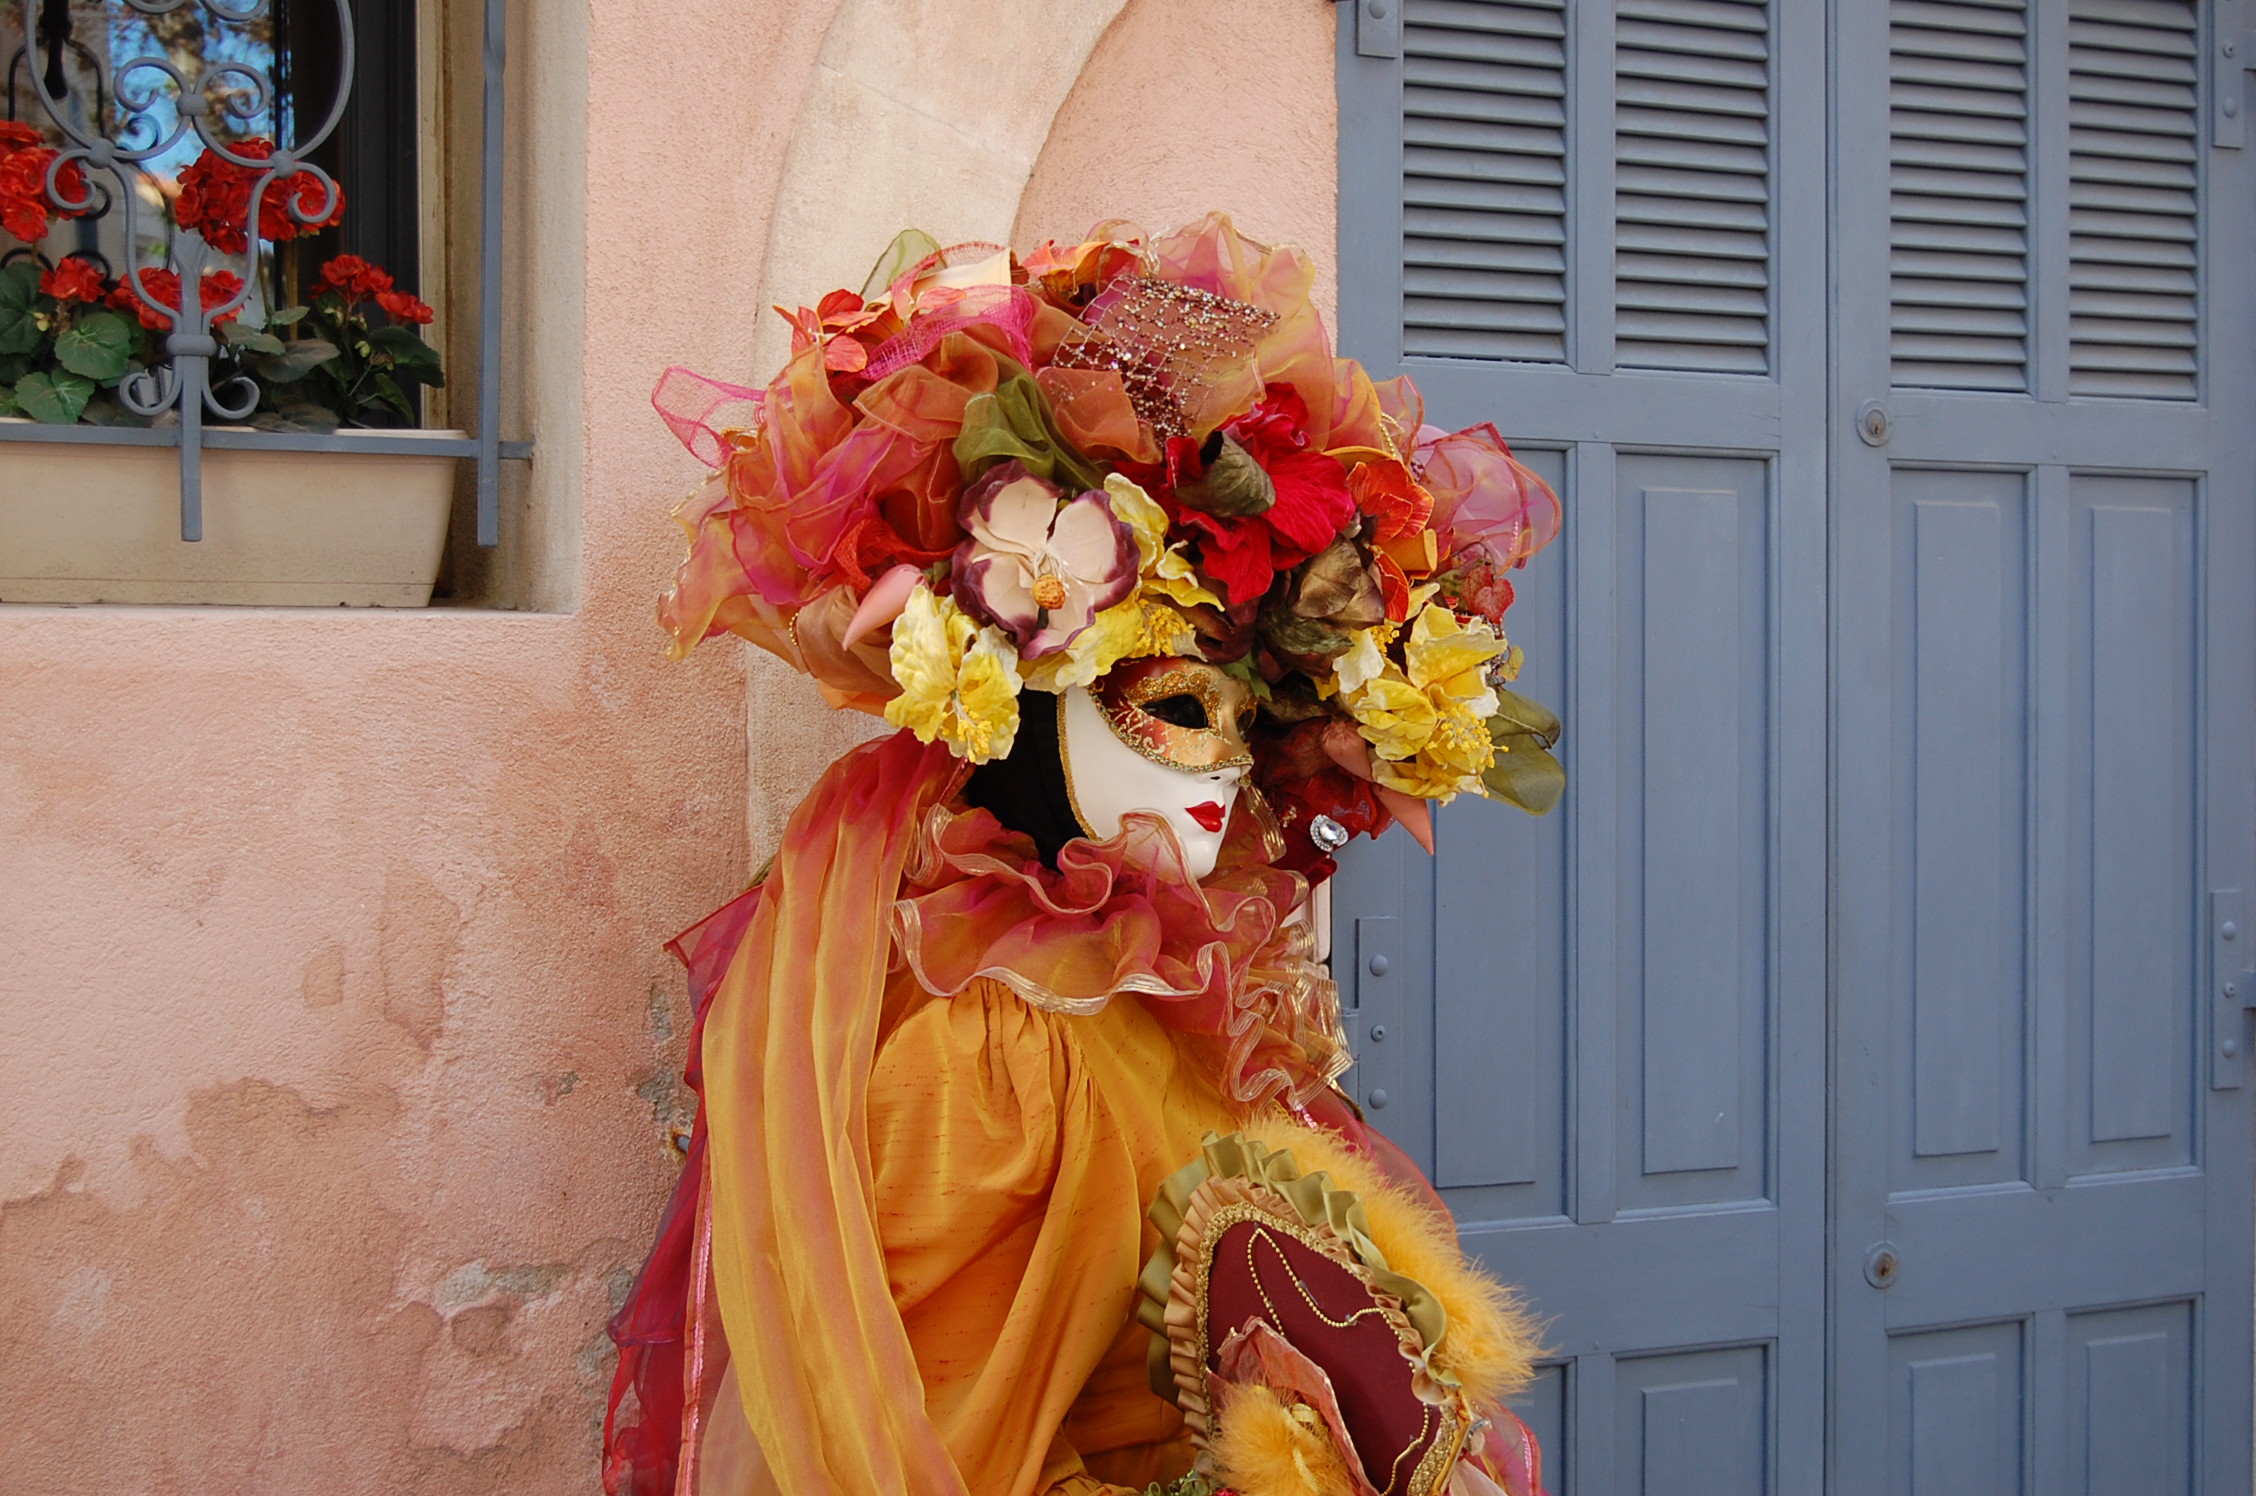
[1692, 185]
[2133, 182]
[1958, 200]
[1484, 200]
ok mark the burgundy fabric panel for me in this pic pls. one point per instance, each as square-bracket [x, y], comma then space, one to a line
[1262, 1273]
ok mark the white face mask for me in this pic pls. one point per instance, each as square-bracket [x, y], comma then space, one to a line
[1107, 779]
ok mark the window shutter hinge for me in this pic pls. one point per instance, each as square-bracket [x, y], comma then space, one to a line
[2235, 54]
[1378, 27]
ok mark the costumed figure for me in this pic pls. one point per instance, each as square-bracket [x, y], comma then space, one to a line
[1020, 1167]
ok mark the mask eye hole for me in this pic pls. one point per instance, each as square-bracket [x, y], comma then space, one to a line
[1179, 710]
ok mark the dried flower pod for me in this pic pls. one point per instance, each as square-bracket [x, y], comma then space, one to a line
[1233, 485]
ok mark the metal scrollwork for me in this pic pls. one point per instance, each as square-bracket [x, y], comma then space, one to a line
[225, 91]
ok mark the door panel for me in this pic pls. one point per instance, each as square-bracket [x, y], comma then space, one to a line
[1602, 1031]
[2041, 553]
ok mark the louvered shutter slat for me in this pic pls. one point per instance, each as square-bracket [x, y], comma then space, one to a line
[1484, 180]
[2133, 199]
[1958, 190]
[1692, 186]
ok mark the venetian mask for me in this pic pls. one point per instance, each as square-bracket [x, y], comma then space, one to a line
[1167, 736]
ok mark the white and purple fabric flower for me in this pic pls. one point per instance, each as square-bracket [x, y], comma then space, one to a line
[1035, 569]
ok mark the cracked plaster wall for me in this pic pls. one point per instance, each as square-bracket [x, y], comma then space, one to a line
[340, 1047]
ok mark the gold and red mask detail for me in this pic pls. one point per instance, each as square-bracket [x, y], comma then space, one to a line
[1186, 714]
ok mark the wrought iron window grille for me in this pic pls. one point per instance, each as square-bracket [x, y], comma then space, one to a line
[203, 99]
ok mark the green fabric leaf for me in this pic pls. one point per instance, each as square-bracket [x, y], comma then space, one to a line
[908, 247]
[1515, 714]
[1015, 422]
[1304, 636]
[299, 358]
[96, 344]
[1524, 773]
[20, 331]
[55, 399]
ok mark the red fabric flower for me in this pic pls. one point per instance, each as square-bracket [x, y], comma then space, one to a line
[1303, 782]
[353, 279]
[402, 307]
[163, 286]
[75, 279]
[215, 199]
[24, 158]
[1314, 503]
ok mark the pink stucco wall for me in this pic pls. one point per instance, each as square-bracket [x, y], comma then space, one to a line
[338, 1041]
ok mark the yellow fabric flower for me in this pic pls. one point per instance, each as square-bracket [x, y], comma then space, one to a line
[1164, 567]
[1425, 718]
[1130, 630]
[959, 682]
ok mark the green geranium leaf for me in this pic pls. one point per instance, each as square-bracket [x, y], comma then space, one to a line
[8, 406]
[13, 366]
[20, 330]
[249, 339]
[391, 395]
[289, 316]
[56, 399]
[298, 358]
[96, 344]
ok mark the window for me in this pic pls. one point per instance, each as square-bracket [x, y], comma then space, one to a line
[137, 131]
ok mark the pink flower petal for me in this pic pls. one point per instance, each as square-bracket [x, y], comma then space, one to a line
[1018, 517]
[1089, 543]
[888, 595]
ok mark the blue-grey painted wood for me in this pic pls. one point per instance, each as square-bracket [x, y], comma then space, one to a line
[1612, 1056]
[2040, 762]
[1694, 1424]
[1981, 682]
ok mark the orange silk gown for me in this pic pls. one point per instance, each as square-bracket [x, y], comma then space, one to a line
[1014, 1152]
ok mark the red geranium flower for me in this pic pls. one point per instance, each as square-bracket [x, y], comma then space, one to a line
[75, 279]
[164, 286]
[353, 279]
[24, 159]
[1313, 503]
[215, 199]
[402, 307]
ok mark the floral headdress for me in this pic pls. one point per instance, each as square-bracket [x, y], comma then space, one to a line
[986, 473]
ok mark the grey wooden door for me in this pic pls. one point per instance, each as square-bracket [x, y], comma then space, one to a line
[2042, 607]
[1902, 631]
[1604, 1032]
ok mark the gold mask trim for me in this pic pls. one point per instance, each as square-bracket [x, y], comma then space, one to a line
[1128, 688]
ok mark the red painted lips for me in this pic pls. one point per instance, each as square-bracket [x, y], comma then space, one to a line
[1210, 814]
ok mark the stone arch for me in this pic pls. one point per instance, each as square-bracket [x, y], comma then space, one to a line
[925, 112]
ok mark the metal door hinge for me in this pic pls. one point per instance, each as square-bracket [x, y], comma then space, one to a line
[2232, 985]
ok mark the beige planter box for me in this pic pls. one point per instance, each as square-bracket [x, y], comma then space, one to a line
[91, 523]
